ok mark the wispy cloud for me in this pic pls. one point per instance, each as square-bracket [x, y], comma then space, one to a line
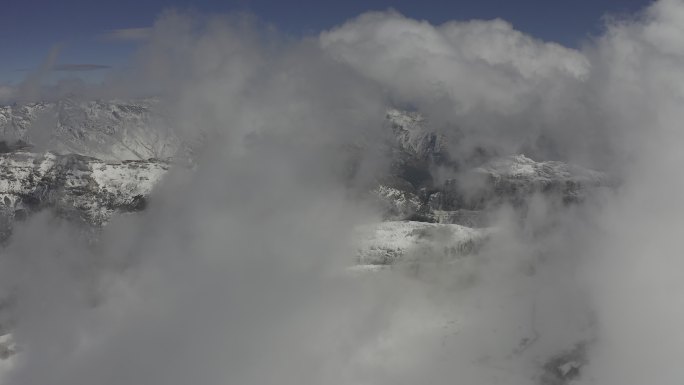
[71, 67]
[246, 277]
[127, 34]
[78, 67]
[6, 93]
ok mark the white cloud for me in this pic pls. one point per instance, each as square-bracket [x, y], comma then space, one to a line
[6, 93]
[474, 63]
[231, 275]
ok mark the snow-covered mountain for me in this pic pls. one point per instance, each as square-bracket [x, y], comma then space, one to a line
[83, 159]
[89, 160]
[60, 147]
[111, 130]
[74, 185]
[394, 242]
[96, 158]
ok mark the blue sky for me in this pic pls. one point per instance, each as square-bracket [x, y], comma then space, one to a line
[30, 28]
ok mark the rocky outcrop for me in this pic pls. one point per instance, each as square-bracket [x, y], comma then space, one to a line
[477, 186]
[468, 198]
[74, 185]
[92, 158]
[411, 132]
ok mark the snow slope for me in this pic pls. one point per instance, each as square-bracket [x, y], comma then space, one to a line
[108, 130]
[391, 242]
[89, 188]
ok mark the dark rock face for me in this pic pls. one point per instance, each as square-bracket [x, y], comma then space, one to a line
[477, 186]
[512, 180]
[412, 137]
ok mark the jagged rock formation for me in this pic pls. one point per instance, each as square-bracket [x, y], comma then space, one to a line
[412, 136]
[411, 191]
[100, 151]
[85, 160]
[74, 185]
[466, 199]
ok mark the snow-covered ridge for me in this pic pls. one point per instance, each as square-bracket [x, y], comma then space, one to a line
[466, 199]
[515, 178]
[109, 130]
[85, 147]
[87, 187]
[521, 167]
[396, 203]
[104, 161]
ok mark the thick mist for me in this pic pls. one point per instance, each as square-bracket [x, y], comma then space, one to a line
[237, 271]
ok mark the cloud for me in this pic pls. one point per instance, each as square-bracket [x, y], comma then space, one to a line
[281, 181]
[31, 87]
[235, 272]
[495, 84]
[79, 67]
[73, 67]
[6, 93]
[34, 88]
[127, 34]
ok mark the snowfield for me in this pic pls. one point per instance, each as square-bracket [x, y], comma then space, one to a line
[392, 242]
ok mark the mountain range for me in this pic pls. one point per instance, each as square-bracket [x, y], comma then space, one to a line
[88, 161]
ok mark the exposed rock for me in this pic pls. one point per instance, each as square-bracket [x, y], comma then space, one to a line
[396, 203]
[467, 198]
[88, 173]
[7, 347]
[412, 135]
[516, 177]
[74, 185]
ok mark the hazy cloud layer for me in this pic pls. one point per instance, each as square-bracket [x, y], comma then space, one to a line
[503, 89]
[235, 274]
[127, 34]
[31, 88]
[6, 93]
[74, 67]
[79, 67]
